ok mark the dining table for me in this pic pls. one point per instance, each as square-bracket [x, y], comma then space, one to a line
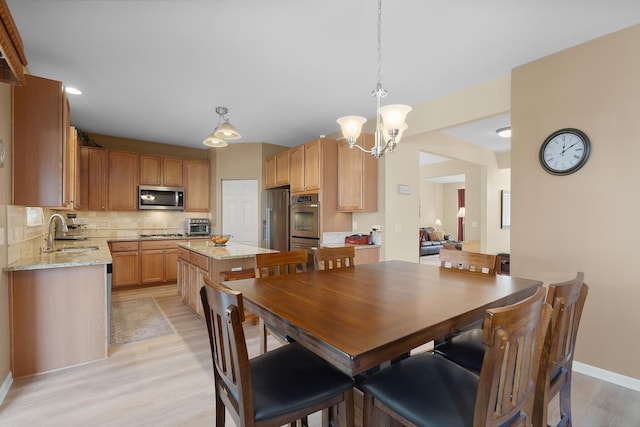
[361, 317]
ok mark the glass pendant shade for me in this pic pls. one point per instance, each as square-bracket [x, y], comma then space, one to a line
[393, 116]
[387, 137]
[227, 131]
[213, 141]
[351, 126]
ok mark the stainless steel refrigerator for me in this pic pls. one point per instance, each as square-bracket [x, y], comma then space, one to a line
[275, 219]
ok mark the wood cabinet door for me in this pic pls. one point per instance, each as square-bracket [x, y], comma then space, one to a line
[125, 268]
[93, 180]
[270, 172]
[172, 172]
[282, 168]
[350, 173]
[170, 265]
[296, 168]
[312, 165]
[152, 266]
[366, 256]
[197, 181]
[38, 147]
[122, 186]
[182, 280]
[150, 169]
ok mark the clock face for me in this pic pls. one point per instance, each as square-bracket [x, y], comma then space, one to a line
[565, 151]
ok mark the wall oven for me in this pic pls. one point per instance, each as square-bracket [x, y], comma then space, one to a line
[305, 218]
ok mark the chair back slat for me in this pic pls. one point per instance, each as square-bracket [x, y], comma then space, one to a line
[567, 300]
[224, 315]
[514, 336]
[280, 263]
[330, 258]
[470, 261]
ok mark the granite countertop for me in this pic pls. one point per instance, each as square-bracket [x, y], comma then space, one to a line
[230, 251]
[102, 255]
[342, 245]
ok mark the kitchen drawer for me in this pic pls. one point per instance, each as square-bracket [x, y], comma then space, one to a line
[159, 244]
[200, 261]
[124, 246]
[183, 254]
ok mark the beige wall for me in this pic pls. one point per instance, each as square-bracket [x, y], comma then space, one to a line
[5, 199]
[584, 221]
[136, 145]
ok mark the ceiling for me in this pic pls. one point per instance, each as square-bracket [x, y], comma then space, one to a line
[156, 69]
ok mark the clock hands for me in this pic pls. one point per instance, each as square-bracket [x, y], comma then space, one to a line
[565, 149]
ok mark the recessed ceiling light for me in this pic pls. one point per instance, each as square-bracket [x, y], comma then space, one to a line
[72, 90]
[504, 132]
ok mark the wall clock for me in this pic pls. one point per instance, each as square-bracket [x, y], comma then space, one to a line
[565, 151]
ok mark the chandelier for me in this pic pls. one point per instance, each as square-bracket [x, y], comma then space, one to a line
[224, 130]
[390, 119]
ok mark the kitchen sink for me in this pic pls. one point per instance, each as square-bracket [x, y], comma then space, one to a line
[74, 249]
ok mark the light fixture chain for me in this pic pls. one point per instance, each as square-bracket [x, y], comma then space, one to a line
[379, 44]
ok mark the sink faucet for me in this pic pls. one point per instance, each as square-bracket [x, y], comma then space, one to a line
[50, 235]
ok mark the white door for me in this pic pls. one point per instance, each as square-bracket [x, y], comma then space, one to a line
[240, 210]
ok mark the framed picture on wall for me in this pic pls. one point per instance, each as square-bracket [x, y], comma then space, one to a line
[505, 222]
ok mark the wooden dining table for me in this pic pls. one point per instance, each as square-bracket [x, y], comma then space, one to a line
[361, 317]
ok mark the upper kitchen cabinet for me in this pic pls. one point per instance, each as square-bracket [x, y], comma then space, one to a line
[12, 58]
[42, 150]
[306, 166]
[197, 183]
[161, 170]
[357, 177]
[93, 178]
[276, 170]
[122, 180]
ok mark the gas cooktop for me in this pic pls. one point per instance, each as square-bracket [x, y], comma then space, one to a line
[161, 235]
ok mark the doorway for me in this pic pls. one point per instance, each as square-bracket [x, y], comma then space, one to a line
[240, 210]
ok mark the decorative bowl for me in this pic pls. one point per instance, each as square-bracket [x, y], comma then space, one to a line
[220, 239]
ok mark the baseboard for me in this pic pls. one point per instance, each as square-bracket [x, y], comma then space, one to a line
[6, 385]
[611, 377]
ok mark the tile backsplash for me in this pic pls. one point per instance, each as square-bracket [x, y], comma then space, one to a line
[27, 227]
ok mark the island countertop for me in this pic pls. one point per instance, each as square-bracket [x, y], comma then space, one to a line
[231, 250]
[44, 260]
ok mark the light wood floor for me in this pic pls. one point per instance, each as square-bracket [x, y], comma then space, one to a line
[167, 382]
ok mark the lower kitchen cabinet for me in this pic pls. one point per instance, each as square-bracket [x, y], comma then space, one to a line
[158, 261]
[191, 269]
[126, 263]
[366, 255]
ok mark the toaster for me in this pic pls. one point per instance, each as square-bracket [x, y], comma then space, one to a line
[357, 239]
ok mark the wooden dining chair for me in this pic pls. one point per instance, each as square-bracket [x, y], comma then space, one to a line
[274, 264]
[330, 258]
[429, 390]
[247, 273]
[275, 388]
[470, 261]
[567, 300]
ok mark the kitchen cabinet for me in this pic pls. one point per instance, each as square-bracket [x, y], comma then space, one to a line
[197, 183]
[158, 261]
[277, 170]
[122, 180]
[183, 275]
[93, 178]
[357, 177]
[305, 165]
[126, 263]
[192, 267]
[161, 170]
[366, 255]
[11, 50]
[41, 152]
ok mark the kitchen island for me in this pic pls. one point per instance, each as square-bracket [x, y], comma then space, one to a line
[200, 258]
[58, 307]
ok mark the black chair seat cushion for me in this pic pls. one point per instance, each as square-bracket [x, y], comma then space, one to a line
[290, 378]
[427, 390]
[466, 349]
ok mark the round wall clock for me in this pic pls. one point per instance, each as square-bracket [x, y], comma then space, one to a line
[565, 151]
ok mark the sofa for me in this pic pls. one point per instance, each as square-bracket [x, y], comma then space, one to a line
[431, 241]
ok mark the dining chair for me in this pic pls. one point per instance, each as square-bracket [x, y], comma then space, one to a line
[330, 258]
[276, 388]
[470, 261]
[274, 264]
[430, 390]
[247, 273]
[567, 300]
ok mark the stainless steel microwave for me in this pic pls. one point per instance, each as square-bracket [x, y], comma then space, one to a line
[164, 198]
